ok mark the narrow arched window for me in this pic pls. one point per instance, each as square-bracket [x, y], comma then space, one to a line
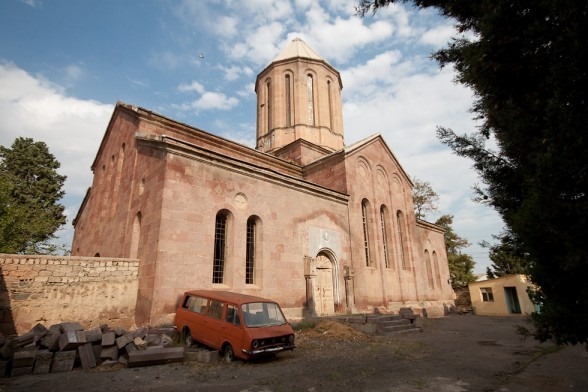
[250, 251]
[330, 95]
[288, 98]
[366, 237]
[437, 269]
[384, 219]
[429, 269]
[135, 235]
[269, 105]
[310, 99]
[220, 240]
[401, 238]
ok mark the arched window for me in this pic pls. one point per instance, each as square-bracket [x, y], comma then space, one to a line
[437, 269]
[288, 98]
[330, 94]
[401, 238]
[366, 236]
[220, 240]
[310, 99]
[250, 251]
[135, 235]
[429, 268]
[269, 105]
[384, 220]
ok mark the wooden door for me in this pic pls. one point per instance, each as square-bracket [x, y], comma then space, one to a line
[324, 298]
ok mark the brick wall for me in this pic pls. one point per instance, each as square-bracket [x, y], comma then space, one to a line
[53, 289]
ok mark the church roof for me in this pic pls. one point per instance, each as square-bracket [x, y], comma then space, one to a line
[298, 49]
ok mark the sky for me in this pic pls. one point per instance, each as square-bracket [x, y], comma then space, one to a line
[65, 63]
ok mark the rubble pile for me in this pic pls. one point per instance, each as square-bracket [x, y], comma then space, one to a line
[64, 346]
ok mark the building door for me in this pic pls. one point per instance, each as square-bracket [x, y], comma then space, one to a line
[324, 298]
[512, 300]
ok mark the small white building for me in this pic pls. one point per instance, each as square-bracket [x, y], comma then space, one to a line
[502, 296]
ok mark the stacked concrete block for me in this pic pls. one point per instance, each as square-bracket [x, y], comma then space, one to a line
[64, 346]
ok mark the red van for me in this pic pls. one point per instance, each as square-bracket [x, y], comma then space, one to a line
[237, 325]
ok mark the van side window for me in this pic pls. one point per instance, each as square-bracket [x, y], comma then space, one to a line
[216, 310]
[232, 315]
[196, 304]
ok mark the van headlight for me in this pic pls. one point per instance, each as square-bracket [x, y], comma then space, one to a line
[291, 339]
[255, 344]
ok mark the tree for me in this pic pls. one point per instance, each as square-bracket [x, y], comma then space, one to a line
[424, 197]
[527, 64]
[461, 266]
[30, 189]
[507, 256]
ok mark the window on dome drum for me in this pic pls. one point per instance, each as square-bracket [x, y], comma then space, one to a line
[269, 105]
[487, 295]
[220, 239]
[384, 219]
[330, 105]
[401, 239]
[250, 252]
[366, 238]
[310, 99]
[288, 102]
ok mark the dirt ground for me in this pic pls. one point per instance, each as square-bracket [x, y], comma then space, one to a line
[453, 354]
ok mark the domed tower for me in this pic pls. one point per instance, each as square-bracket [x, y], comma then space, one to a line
[299, 97]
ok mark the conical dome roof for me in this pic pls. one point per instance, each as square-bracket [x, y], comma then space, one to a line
[298, 49]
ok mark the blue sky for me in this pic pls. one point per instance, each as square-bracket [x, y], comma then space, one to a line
[65, 63]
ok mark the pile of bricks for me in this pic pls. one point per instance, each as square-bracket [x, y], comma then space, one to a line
[67, 345]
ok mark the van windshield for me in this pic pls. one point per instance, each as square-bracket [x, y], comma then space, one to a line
[262, 314]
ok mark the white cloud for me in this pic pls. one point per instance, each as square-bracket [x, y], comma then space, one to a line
[194, 86]
[438, 36]
[72, 128]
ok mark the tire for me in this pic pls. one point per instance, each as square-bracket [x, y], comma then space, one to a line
[187, 338]
[228, 354]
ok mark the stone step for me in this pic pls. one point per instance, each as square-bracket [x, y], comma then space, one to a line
[390, 329]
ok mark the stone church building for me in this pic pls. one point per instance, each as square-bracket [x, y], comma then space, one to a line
[321, 227]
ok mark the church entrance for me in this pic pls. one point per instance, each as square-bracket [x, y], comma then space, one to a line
[324, 299]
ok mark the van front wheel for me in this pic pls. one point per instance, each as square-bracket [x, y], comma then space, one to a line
[188, 340]
[228, 353]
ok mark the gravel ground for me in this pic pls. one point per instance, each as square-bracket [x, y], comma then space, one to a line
[453, 354]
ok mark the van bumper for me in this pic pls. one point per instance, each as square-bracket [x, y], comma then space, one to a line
[269, 350]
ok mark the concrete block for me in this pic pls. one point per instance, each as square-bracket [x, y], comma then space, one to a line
[156, 356]
[43, 362]
[68, 341]
[63, 361]
[124, 340]
[109, 352]
[24, 358]
[108, 338]
[87, 358]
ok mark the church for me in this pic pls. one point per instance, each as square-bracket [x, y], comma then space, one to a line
[321, 227]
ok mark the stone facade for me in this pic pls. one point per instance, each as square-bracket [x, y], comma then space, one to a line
[320, 227]
[53, 289]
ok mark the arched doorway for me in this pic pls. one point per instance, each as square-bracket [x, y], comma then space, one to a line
[324, 288]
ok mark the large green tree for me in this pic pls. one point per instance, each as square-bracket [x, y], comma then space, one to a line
[507, 256]
[30, 190]
[461, 265]
[527, 64]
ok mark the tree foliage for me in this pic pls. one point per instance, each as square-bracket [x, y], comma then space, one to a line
[527, 64]
[507, 256]
[461, 265]
[424, 197]
[30, 189]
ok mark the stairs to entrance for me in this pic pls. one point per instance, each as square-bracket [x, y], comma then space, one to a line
[386, 324]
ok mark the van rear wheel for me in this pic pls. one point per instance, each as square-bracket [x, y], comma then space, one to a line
[228, 353]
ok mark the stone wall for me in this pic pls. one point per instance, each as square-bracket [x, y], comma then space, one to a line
[53, 289]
